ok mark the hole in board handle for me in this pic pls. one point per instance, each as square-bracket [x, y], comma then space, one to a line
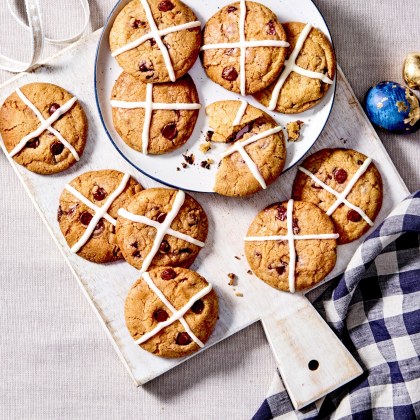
[313, 365]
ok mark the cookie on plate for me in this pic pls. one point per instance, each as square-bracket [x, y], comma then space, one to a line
[168, 126]
[161, 227]
[308, 73]
[88, 211]
[152, 302]
[257, 154]
[244, 70]
[330, 172]
[291, 245]
[43, 127]
[156, 59]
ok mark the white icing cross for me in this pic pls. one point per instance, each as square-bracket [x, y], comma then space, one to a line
[342, 197]
[176, 315]
[100, 212]
[243, 44]
[150, 106]
[241, 112]
[156, 34]
[291, 238]
[290, 65]
[45, 125]
[162, 229]
[239, 146]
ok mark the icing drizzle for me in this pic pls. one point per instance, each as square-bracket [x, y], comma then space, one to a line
[239, 146]
[46, 124]
[150, 106]
[241, 112]
[290, 65]
[157, 34]
[100, 212]
[290, 237]
[243, 44]
[162, 229]
[342, 197]
[176, 315]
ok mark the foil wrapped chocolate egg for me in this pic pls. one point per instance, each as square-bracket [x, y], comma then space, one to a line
[393, 107]
[411, 70]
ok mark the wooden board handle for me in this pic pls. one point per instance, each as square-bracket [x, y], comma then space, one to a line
[311, 359]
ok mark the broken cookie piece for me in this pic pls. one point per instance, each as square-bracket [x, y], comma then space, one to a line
[293, 130]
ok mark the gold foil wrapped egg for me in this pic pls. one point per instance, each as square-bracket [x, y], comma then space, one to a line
[411, 70]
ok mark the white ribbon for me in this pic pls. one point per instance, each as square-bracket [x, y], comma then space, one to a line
[37, 35]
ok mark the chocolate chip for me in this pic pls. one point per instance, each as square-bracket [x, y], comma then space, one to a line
[229, 74]
[165, 6]
[56, 148]
[198, 307]
[161, 315]
[257, 254]
[145, 67]
[53, 107]
[99, 193]
[33, 144]
[281, 213]
[271, 29]
[185, 251]
[360, 162]
[353, 216]
[152, 42]
[169, 131]
[136, 254]
[280, 270]
[168, 274]
[243, 131]
[134, 244]
[161, 217]
[164, 247]
[136, 23]
[231, 9]
[99, 228]
[183, 339]
[209, 135]
[340, 175]
[190, 159]
[296, 228]
[85, 218]
[59, 213]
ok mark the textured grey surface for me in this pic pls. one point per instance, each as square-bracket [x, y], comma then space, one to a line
[55, 359]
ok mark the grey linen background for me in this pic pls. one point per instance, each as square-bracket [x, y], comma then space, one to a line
[55, 359]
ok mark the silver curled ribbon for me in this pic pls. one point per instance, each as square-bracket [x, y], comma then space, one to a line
[38, 36]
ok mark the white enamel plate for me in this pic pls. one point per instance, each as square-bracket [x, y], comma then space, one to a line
[163, 168]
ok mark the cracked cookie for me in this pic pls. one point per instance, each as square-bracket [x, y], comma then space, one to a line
[150, 57]
[328, 173]
[250, 69]
[170, 121]
[43, 127]
[161, 227]
[257, 154]
[291, 245]
[171, 312]
[307, 75]
[88, 211]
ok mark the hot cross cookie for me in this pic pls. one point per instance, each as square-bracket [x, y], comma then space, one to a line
[43, 127]
[161, 227]
[154, 118]
[308, 72]
[244, 47]
[156, 40]
[88, 211]
[171, 312]
[346, 185]
[291, 245]
[257, 151]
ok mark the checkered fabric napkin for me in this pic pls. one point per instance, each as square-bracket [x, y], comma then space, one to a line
[374, 307]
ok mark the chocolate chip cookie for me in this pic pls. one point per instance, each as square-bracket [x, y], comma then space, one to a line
[247, 166]
[43, 127]
[306, 77]
[161, 227]
[88, 211]
[329, 172]
[297, 264]
[222, 62]
[156, 59]
[150, 307]
[162, 130]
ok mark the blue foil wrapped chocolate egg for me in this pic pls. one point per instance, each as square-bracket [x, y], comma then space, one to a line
[393, 107]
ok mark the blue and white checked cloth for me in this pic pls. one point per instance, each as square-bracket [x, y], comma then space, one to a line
[374, 307]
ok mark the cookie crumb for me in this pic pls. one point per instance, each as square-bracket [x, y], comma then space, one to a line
[190, 159]
[239, 294]
[232, 278]
[178, 169]
[206, 163]
[209, 136]
[293, 130]
[205, 147]
[184, 165]
[250, 272]
[238, 258]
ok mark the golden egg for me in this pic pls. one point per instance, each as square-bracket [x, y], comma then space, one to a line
[411, 70]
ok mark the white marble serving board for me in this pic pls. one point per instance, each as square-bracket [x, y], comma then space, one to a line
[105, 286]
